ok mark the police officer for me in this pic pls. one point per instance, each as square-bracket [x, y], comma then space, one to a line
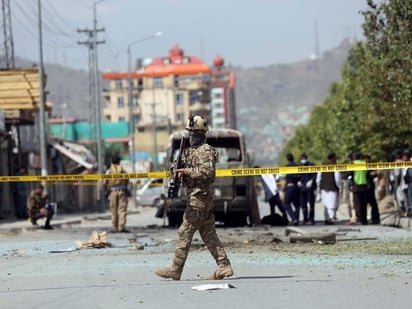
[118, 195]
[198, 177]
[37, 207]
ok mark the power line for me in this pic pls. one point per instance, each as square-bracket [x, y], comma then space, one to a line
[111, 55]
[49, 24]
[80, 3]
[50, 18]
[32, 19]
[57, 14]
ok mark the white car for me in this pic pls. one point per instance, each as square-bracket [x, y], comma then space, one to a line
[149, 193]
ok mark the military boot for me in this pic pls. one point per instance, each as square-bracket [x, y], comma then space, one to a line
[221, 272]
[173, 272]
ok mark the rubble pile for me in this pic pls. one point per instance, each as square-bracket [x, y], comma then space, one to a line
[96, 240]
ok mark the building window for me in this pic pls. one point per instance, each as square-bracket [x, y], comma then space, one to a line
[135, 101]
[135, 119]
[157, 82]
[217, 95]
[107, 102]
[179, 117]
[121, 119]
[120, 102]
[193, 98]
[179, 98]
[119, 84]
[140, 84]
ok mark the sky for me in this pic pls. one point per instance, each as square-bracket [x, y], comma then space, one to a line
[246, 33]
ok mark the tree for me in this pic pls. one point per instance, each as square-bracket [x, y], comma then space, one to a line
[370, 109]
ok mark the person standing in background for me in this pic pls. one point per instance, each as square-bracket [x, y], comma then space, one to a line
[330, 187]
[292, 193]
[118, 196]
[370, 192]
[360, 190]
[20, 194]
[395, 178]
[353, 216]
[307, 186]
[271, 190]
[408, 182]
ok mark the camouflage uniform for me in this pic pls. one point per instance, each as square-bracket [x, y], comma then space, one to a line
[37, 208]
[118, 199]
[199, 178]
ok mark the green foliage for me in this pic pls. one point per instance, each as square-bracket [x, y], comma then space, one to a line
[370, 110]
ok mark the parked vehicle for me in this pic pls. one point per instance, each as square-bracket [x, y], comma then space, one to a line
[149, 193]
[234, 196]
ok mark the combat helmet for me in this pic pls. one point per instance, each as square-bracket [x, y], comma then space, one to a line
[196, 123]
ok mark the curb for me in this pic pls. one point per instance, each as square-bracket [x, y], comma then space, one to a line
[26, 227]
[20, 230]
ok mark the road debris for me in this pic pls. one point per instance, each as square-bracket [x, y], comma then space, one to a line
[347, 229]
[300, 235]
[71, 249]
[96, 240]
[19, 252]
[358, 239]
[206, 287]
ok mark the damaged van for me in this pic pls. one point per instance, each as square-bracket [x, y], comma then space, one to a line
[234, 197]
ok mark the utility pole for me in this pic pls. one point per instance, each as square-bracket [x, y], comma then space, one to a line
[154, 125]
[7, 53]
[97, 94]
[92, 44]
[92, 107]
[42, 116]
[7, 62]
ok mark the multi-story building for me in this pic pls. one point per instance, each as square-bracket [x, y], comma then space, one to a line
[165, 92]
[223, 103]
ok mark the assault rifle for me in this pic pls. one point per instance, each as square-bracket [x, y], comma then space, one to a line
[173, 188]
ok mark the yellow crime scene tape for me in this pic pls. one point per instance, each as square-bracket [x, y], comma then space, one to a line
[234, 172]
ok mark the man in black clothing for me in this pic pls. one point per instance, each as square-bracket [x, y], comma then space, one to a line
[307, 192]
[292, 193]
[370, 193]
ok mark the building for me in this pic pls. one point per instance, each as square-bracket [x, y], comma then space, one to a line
[165, 92]
[223, 102]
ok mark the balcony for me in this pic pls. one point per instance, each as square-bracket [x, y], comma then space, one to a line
[192, 84]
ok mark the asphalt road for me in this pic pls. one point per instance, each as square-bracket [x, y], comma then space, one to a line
[368, 267]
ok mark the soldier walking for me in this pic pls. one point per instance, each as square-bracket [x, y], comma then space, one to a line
[198, 176]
